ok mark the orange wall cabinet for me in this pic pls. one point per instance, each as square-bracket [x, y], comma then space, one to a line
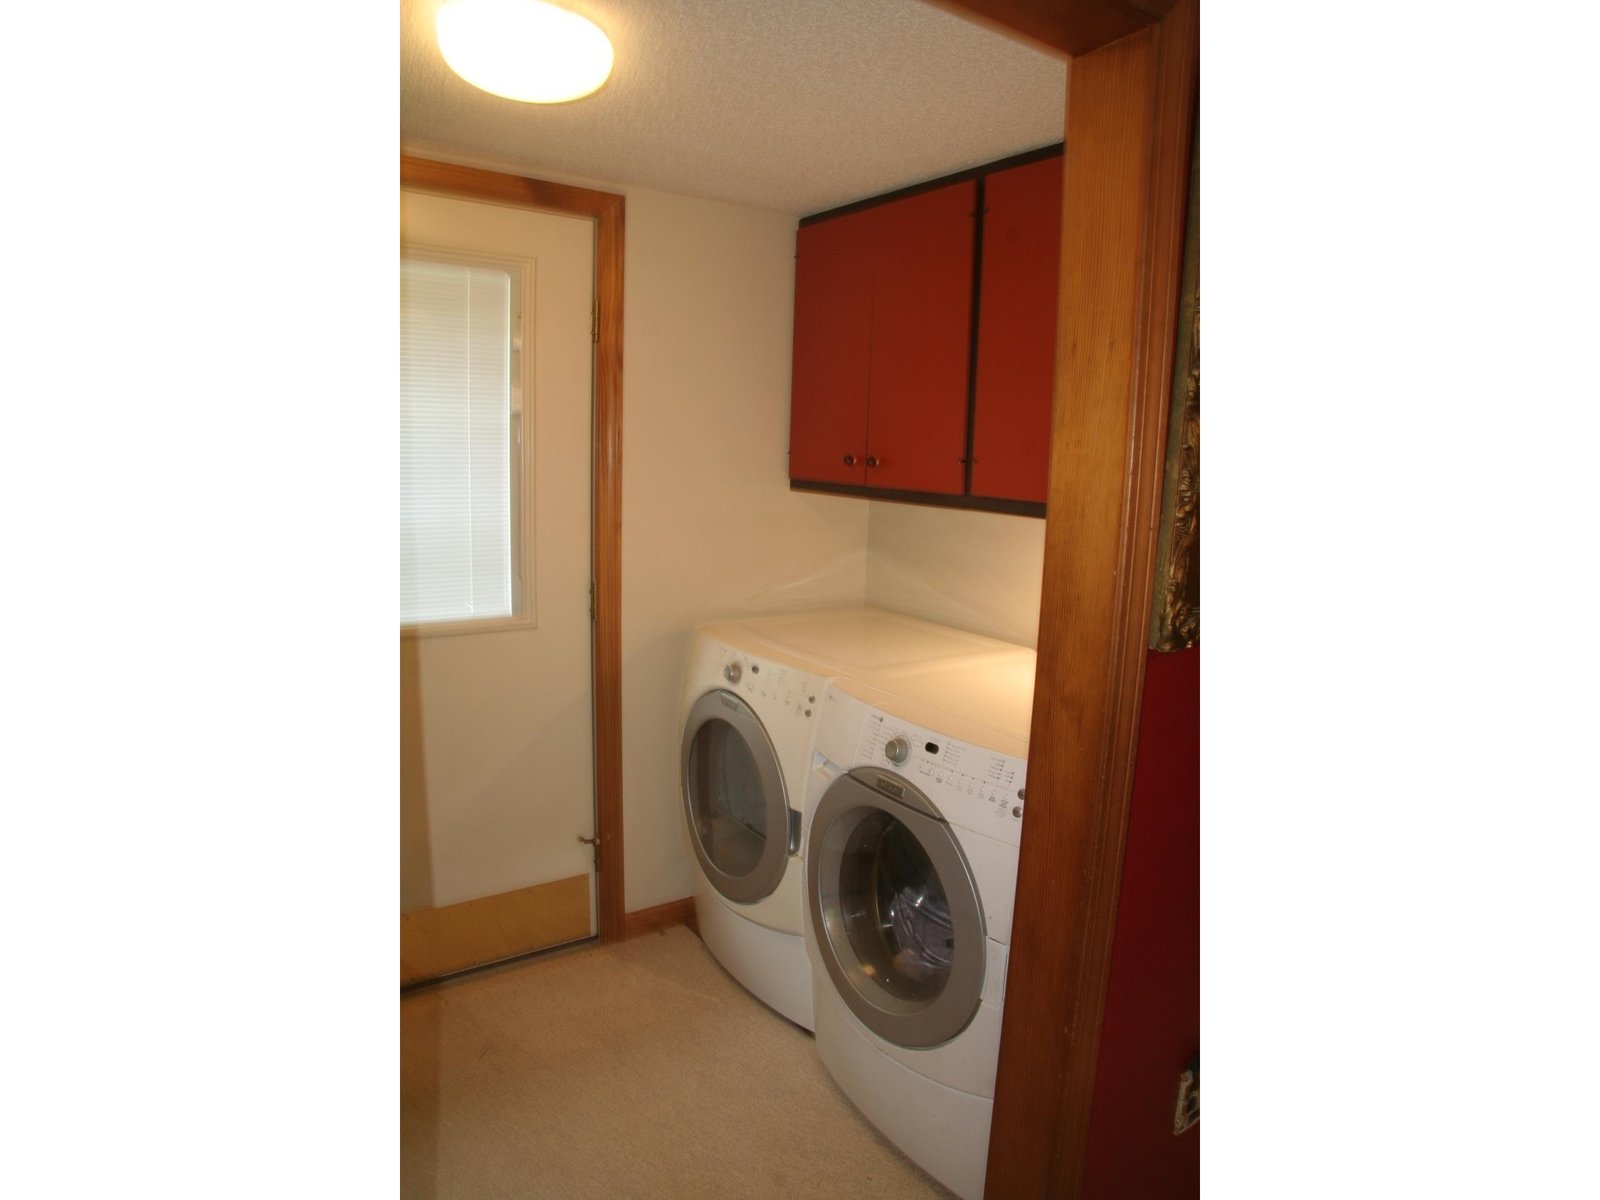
[924, 341]
[883, 328]
[1017, 331]
[832, 350]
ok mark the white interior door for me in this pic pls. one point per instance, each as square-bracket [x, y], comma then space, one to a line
[496, 727]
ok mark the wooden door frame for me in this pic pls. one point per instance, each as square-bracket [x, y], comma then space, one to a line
[1132, 97]
[606, 209]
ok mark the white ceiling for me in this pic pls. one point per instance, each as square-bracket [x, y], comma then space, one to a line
[792, 105]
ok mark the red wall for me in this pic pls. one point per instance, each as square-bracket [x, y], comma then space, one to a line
[1152, 1016]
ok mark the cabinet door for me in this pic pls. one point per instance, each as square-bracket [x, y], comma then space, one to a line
[832, 344]
[1017, 331]
[921, 341]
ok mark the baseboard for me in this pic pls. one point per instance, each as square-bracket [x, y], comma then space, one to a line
[662, 916]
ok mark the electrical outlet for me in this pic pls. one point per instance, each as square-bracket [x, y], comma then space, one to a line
[1187, 1112]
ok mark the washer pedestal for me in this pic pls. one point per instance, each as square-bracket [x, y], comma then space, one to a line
[944, 1131]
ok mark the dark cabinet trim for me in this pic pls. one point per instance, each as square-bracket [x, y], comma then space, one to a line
[981, 207]
[1015, 508]
[1053, 150]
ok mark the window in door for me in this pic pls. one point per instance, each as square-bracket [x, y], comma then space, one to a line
[463, 467]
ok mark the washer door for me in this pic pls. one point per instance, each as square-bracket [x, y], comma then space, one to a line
[733, 794]
[894, 909]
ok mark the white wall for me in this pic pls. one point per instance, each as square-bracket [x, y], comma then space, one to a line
[976, 571]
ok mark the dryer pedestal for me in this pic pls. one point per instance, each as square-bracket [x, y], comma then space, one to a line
[771, 965]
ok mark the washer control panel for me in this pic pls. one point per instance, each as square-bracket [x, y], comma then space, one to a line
[971, 786]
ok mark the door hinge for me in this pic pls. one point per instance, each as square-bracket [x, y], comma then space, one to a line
[594, 321]
[591, 601]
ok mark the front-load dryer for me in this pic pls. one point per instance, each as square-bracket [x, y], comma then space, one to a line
[748, 725]
[750, 706]
[910, 847]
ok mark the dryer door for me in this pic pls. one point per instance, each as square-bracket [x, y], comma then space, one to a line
[894, 909]
[733, 794]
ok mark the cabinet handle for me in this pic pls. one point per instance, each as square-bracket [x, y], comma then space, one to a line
[872, 460]
[849, 460]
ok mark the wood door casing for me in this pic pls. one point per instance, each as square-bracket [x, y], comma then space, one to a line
[921, 341]
[609, 212]
[832, 345]
[1130, 122]
[1017, 307]
[505, 717]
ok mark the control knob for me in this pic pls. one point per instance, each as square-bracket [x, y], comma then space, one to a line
[896, 750]
[732, 671]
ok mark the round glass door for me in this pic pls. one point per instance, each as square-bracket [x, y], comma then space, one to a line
[734, 798]
[895, 909]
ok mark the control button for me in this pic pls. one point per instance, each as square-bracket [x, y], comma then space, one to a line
[1017, 811]
[755, 668]
[896, 750]
[1022, 793]
[732, 671]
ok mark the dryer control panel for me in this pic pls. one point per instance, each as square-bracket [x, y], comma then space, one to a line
[787, 689]
[785, 697]
[971, 786]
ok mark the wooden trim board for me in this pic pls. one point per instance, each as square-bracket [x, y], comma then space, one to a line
[662, 916]
[438, 941]
[607, 209]
[1130, 122]
[1062, 26]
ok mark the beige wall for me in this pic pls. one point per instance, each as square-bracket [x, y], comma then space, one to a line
[976, 571]
[709, 526]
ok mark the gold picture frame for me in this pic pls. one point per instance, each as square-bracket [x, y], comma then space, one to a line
[1175, 611]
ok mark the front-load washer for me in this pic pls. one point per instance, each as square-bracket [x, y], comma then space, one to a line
[910, 849]
[750, 705]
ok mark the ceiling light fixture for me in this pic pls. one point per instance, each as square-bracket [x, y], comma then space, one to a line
[524, 50]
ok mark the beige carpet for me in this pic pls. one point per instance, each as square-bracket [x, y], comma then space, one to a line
[636, 1070]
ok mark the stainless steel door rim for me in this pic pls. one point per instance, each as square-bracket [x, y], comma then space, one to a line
[734, 798]
[895, 909]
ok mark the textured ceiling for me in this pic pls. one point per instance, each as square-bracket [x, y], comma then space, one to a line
[792, 105]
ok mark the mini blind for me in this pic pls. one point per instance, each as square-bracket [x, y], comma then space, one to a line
[457, 507]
